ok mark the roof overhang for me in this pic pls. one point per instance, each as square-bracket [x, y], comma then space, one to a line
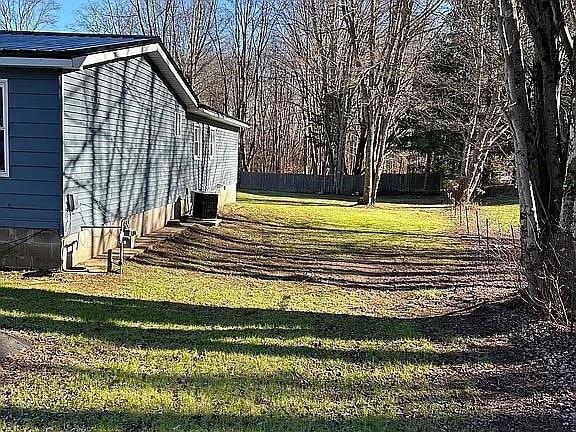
[41, 62]
[157, 55]
[217, 117]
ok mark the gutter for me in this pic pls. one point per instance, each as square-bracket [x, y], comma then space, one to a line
[211, 114]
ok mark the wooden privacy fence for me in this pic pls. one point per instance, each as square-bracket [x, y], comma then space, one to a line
[351, 185]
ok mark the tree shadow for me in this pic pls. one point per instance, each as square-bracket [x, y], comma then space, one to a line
[316, 199]
[354, 259]
[169, 325]
[362, 341]
[219, 422]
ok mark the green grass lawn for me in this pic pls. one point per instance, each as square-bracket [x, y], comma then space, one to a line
[325, 212]
[389, 224]
[175, 348]
[503, 214]
[502, 210]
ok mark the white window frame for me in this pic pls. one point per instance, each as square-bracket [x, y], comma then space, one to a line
[197, 142]
[178, 124]
[4, 127]
[212, 143]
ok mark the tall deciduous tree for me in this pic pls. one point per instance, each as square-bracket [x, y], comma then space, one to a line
[28, 14]
[183, 25]
[479, 116]
[386, 40]
[315, 78]
[545, 150]
[250, 31]
[319, 51]
[462, 91]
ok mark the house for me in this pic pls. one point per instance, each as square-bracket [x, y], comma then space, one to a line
[96, 130]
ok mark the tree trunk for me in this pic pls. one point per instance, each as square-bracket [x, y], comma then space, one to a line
[524, 138]
[428, 171]
[361, 149]
[546, 182]
[368, 192]
[568, 211]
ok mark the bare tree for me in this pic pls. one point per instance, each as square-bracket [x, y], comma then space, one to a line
[317, 55]
[249, 31]
[386, 41]
[545, 150]
[28, 14]
[462, 92]
[106, 16]
[183, 25]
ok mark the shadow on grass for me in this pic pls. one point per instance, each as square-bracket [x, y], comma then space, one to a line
[343, 258]
[168, 325]
[315, 199]
[313, 202]
[153, 325]
[133, 421]
[342, 231]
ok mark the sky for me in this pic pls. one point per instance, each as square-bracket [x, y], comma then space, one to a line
[67, 14]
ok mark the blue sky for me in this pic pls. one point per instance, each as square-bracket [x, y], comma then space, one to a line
[67, 14]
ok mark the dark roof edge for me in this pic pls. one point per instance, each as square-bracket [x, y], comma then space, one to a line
[215, 111]
[138, 41]
[72, 53]
[80, 34]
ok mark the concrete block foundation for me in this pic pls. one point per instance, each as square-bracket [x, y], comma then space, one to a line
[80, 247]
[38, 249]
[86, 244]
[30, 249]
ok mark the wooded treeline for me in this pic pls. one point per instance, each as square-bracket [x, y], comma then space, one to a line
[329, 87]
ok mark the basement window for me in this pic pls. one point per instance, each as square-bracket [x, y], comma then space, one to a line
[197, 142]
[212, 143]
[4, 128]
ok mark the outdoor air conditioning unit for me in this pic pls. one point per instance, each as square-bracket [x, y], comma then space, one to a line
[205, 206]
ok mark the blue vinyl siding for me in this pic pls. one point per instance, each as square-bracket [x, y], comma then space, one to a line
[121, 153]
[222, 168]
[31, 197]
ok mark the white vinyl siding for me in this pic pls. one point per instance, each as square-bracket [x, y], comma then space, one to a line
[4, 147]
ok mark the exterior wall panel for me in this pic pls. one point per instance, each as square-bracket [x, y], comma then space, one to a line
[122, 156]
[30, 197]
[222, 168]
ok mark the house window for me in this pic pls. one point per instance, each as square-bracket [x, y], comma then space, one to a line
[4, 128]
[197, 142]
[212, 143]
[179, 124]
